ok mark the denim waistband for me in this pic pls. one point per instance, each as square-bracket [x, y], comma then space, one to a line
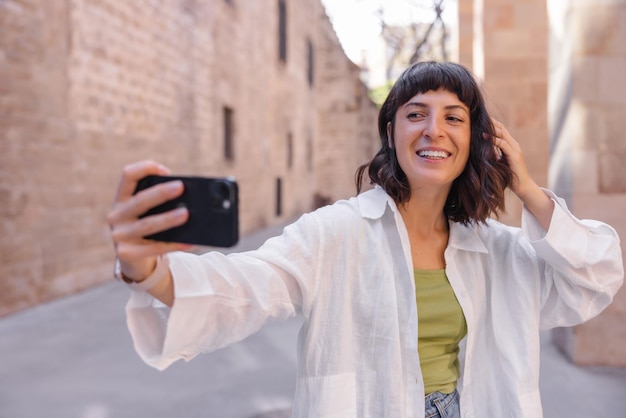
[442, 405]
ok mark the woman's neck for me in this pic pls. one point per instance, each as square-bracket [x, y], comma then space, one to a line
[427, 227]
[423, 214]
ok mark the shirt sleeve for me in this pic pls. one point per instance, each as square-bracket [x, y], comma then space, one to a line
[221, 299]
[582, 263]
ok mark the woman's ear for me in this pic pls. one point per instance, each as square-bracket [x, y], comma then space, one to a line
[389, 137]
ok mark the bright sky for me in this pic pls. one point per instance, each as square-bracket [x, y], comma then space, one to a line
[357, 23]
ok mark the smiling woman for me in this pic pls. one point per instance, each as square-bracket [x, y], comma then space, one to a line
[457, 113]
[391, 281]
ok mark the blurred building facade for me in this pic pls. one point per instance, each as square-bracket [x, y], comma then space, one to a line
[552, 72]
[263, 91]
[260, 90]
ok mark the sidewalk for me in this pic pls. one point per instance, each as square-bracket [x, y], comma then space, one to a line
[73, 358]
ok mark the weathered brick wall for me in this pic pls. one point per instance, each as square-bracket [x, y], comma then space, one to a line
[46, 217]
[87, 87]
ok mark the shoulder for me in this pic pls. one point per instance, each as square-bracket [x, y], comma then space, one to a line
[502, 239]
[494, 229]
[492, 237]
[343, 212]
[356, 213]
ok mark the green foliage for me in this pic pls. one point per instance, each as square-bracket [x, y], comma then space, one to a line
[379, 94]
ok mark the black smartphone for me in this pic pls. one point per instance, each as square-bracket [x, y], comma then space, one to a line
[213, 205]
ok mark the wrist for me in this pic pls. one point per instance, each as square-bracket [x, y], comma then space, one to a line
[159, 271]
[523, 190]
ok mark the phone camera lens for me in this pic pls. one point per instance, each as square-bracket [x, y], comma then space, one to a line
[220, 195]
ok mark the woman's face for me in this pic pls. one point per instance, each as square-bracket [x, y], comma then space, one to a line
[432, 139]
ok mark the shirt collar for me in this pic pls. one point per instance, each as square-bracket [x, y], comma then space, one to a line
[466, 237]
[373, 203]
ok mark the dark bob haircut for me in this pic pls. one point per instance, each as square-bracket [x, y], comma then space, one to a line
[479, 190]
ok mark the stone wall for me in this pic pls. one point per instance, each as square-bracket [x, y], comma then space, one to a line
[88, 87]
[587, 125]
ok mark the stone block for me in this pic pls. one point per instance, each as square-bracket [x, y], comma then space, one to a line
[518, 70]
[612, 171]
[530, 15]
[596, 30]
[499, 17]
[610, 71]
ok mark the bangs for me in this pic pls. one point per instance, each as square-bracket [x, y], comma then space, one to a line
[432, 76]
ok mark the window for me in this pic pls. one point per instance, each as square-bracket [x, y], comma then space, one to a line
[309, 153]
[289, 151]
[310, 62]
[282, 30]
[229, 151]
[279, 196]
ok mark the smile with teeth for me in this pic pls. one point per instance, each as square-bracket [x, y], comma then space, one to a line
[432, 154]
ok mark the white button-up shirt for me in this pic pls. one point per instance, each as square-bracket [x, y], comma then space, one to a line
[347, 269]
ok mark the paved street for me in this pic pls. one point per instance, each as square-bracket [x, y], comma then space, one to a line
[73, 358]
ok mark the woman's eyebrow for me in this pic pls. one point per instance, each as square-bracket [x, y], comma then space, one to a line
[453, 107]
[417, 104]
[425, 106]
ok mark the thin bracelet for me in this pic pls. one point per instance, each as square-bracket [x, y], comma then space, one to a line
[160, 270]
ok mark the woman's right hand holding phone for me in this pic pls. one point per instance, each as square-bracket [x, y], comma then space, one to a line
[138, 256]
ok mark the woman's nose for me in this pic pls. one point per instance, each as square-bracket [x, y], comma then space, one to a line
[434, 128]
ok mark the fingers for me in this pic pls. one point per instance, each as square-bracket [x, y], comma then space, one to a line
[135, 229]
[127, 229]
[498, 152]
[503, 142]
[512, 150]
[137, 254]
[500, 132]
[497, 142]
[132, 173]
[140, 203]
[124, 221]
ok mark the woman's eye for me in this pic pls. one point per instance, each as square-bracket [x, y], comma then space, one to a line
[454, 119]
[414, 115]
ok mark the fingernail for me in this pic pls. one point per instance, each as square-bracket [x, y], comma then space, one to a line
[175, 185]
[180, 212]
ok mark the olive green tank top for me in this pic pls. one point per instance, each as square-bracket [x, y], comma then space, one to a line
[441, 326]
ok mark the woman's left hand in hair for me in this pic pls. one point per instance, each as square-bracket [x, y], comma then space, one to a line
[531, 195]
